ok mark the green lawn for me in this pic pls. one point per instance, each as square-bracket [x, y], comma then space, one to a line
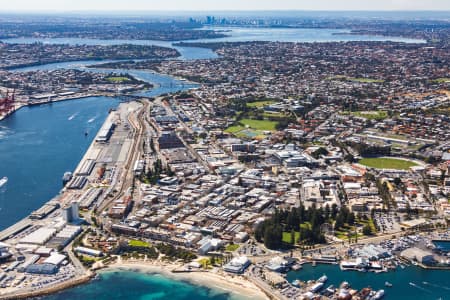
[234, 129]
[442, 80]
[118, 79]
[138, 243]
[354, 79]
[259, 104]
[365, 80]
[371, 115]
[260, 124]
[387, 163]
[287, 237]
[274, 115]
[232, 247]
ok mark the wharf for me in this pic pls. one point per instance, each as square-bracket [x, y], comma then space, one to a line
[15, 228]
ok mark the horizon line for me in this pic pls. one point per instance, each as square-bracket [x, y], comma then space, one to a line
[218, 10]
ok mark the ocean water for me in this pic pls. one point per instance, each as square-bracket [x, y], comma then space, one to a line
[408, 283]
[127, 285]
[38, 144]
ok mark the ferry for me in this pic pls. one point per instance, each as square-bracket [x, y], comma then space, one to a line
[3, 181]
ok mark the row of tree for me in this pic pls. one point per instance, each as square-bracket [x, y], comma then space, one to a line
[307, 222]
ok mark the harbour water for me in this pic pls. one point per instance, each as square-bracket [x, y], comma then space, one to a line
[38, 144]
[408, 283]
[126, 285]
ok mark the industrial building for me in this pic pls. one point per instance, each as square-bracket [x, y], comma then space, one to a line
[169, 140]
[39, 237]
[105, 132]
[86, 168]
[88, 251]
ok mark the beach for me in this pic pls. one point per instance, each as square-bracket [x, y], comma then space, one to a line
[236, 285]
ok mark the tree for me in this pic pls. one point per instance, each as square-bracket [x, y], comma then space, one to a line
[350, 158]
[367, 230]
[292, 237]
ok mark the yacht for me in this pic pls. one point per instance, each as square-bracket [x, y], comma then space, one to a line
[3, 181]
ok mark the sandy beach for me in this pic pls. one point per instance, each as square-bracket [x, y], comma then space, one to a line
[237, 286]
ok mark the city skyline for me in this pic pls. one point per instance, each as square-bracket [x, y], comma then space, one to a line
[232, 5]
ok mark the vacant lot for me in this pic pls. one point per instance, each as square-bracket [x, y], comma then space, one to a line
[259, 104]
[371, 115]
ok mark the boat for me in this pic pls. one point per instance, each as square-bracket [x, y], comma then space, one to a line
[331, 290]
[323, 279]
[3, 181]
[378, 295]
[66, 177]
[316, 287]
[388, 284]
[314, 263]
[296, 283]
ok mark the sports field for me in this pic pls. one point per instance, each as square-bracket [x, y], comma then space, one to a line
[387, 163]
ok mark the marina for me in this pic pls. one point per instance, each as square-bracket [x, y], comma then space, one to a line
[396, 284]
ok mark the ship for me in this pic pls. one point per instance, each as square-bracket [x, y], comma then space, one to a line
[323, 279]
[66, 177]
[3, 181]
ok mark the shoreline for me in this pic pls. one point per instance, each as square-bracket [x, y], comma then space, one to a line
[52, 289]
[234, 285]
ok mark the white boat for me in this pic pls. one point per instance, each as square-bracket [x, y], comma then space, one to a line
[378, 295]
[3, 181]
[323, 279]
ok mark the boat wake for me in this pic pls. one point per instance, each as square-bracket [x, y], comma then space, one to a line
[419, 287]
[72, 117]
[92, 120]
[436, 285]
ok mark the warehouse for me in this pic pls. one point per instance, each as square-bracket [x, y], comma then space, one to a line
[55, 259]
[88, 251]
[47, 269]
[105, 132]
[39, 237]
[86, 168]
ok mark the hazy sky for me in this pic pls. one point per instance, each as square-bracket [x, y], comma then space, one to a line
[207, 5]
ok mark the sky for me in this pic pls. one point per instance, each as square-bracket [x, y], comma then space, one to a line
[211, 5]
